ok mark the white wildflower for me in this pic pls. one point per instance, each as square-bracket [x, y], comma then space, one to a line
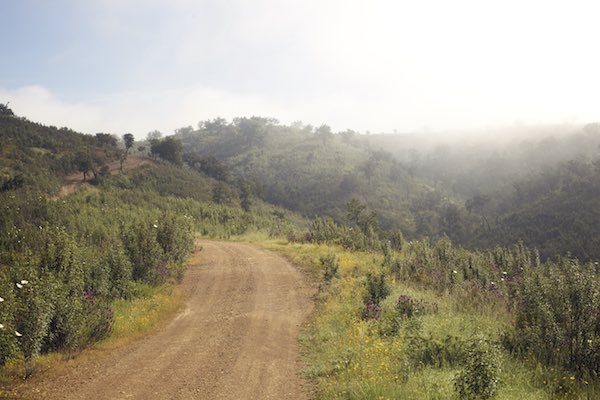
[156, 226]
[504, 273]
[454, 271]
[18, 334]
[24, 282]
[1, 326]
[19, 285]
[1, 299]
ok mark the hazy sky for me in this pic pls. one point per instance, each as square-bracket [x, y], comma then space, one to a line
[134, 66]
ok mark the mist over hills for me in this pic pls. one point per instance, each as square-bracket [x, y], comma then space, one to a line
[538, 185]
[480, 191]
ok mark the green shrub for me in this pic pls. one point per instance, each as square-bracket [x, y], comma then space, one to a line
[377, 288]
[449, 351]
[144, 252]
[479, 377]
[33, 310]
[557, 318]
[330, 267]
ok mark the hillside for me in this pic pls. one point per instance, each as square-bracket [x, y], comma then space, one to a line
[316, 172]
[79, 234]
[394, 317]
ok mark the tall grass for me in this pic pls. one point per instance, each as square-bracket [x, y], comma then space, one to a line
[348, 356]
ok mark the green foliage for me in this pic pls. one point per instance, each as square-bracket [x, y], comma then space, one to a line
[330, 267]
[557, 317]
[310, 173]
[33, 308]
[448, 351]
[479, 377]
[144, 252]
[377, 288]
[120, 271]
[169, 149]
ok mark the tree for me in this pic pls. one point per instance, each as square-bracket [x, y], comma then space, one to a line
[186, 130]
[169, 149]
[154, 135]
[84, 163]
[324, 133]
[245, 192]
[106, 139]
[254, 129]
[128, 139]
[5, 111]
[478, 204]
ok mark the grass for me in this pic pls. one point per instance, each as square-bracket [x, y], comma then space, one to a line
[346, 357]
[135, 318]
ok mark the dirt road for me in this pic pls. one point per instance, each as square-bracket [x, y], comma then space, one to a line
[236, 339]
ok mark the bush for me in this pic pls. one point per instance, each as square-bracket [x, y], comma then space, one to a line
[479, 377]
[33, 312]
[330, 267]
[144, 252]
[8, 340]
[377, 288]
[99, 318]
[449, 351]
[557, 318]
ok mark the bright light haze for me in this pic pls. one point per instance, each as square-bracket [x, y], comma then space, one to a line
[134, 66]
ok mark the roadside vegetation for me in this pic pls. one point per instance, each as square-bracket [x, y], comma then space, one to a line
[403, 309]
[425, 320]
[97, 264]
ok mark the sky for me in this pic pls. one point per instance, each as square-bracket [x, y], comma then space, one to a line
[135, 66]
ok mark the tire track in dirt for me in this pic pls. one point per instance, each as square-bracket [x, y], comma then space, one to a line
[236, 339]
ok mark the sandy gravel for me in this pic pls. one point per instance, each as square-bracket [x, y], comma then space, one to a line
[236, 339]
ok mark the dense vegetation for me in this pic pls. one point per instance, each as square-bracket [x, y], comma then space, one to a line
[460, 272]
[312, 170]
[537, 185]
[415, 319]
[64, 261]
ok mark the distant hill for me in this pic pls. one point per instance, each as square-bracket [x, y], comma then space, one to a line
[557, 211]
[316, 172]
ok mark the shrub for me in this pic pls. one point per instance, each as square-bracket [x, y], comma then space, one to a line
[33, 312]
[377, 288]
[371, 312]
[8, 340]
[479, 377]
[330, 267]
[99, 318]
[557, 318]
[449, 351]
[119, 268]
[144, 251]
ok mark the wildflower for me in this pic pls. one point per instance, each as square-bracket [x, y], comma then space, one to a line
[18, 334]
[1, 326]
[19, 285]
[1, 299]
[504, 273]
[24, 282]
[156, 226]
[454, 271]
